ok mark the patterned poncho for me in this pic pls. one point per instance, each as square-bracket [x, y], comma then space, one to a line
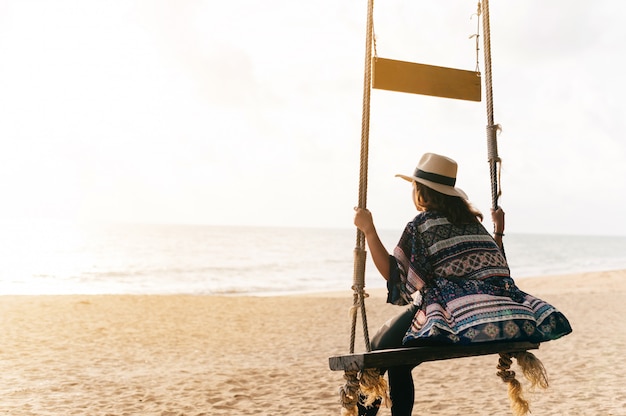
[467, 294]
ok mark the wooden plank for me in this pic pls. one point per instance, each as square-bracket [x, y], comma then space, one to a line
[418, 355]
[437, 81]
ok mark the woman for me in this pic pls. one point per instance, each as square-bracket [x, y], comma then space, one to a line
[455, 277]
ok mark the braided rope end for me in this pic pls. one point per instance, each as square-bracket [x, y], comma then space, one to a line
[368, 386]
[374, 387]
[349, 393]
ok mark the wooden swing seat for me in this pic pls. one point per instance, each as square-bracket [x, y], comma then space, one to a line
[417, 355]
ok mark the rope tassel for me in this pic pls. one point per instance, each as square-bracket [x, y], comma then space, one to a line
[368, 386]
[533, 370]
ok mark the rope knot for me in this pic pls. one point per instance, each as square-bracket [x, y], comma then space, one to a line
[507, 376]
[349, 393]
[495, 127]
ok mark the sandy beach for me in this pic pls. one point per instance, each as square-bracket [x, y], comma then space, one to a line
[207, 355]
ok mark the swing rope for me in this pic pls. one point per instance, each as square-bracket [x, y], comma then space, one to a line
[368, 382]
[495, 163]
[358, 282]
[532, 368]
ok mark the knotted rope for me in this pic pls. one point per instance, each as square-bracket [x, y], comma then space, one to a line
[358, 285]
[369, 382]
[349, 393]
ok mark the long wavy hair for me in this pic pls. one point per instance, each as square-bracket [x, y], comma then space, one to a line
[456, 209]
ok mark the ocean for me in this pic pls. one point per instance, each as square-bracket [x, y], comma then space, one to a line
[66, 258]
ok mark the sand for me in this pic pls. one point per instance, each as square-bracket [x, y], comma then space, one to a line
[208, 355]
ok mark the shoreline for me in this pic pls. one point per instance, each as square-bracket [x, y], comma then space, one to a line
[254, 355]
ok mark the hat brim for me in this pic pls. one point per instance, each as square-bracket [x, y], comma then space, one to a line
[444, 189]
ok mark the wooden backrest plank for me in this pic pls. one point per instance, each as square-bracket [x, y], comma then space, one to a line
[437, 81]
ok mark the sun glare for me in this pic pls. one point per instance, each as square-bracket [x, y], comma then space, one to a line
[36, 252]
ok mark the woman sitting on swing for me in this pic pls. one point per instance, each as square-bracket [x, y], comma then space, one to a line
[455, 277]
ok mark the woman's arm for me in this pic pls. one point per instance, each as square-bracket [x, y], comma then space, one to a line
[364, 222]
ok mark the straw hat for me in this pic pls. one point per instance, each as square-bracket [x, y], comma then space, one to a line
[437, 172]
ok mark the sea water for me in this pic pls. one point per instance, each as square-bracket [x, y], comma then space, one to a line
[60, 257]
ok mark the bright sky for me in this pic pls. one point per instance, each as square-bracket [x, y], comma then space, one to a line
[244, 112]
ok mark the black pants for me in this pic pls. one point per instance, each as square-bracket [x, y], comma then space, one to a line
[401, 387]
